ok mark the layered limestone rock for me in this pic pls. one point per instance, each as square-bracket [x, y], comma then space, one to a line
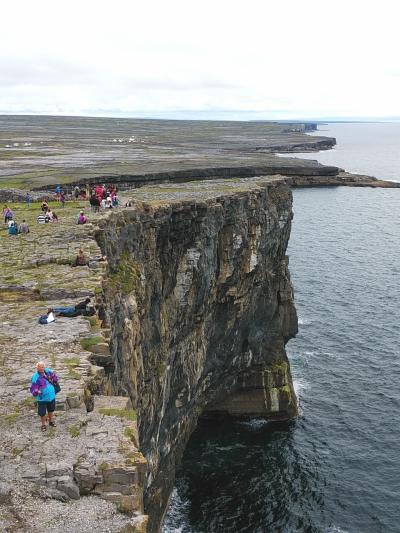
[200, 307]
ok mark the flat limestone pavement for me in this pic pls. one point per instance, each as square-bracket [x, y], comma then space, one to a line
[85, 471]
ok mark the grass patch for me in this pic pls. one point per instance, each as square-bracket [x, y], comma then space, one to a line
[129, 414]
[126, 276]
[71, 363]
[28, 402]
[93, 321]
[103, 466]
[11, 418]
[90, 341]
[74, 431]
[130, 434]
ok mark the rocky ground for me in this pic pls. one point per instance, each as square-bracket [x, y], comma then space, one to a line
[36, 151]
[88, 452]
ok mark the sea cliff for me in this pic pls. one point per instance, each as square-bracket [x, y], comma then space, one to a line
[200, 306]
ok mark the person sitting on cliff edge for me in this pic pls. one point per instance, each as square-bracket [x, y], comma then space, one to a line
[80, 260]
[44, 384]
[82, 218]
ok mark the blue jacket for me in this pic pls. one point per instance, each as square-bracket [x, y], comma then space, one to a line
[48, 393]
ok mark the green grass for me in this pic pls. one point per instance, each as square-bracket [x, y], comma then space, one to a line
[28, 402]
[71, 363]
[129, 414]
[126, 276]
[11, 418]
[74, 431]
[129, 433]
[88, 342]
[92, 320]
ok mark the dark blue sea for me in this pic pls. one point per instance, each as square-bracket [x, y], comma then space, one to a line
[336, 468]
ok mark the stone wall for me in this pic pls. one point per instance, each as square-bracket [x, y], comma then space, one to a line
[200, 307]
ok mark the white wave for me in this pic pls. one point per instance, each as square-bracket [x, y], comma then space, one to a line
[229, 448]
[176, 520]
[335, 529]
[300, 385]
[254, 424]
[303, 321]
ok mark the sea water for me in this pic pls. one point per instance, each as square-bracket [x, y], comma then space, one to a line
[336, 468]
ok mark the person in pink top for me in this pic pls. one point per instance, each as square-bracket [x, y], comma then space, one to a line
[82, 218]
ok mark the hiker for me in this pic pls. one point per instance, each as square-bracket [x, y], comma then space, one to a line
[23, 227]
[58, 191]
[81, 308]
[80, 260]
[62, 199]
[7, 214]
[48, 317]
[28, 199]
[82, 218]
[45, 207]
[115, 200]
[94, 203]
[76, 192]
[43, 387]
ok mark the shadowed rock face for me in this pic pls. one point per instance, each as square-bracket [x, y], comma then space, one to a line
[200, 307]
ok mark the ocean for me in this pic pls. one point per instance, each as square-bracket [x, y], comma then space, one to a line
[336, 468]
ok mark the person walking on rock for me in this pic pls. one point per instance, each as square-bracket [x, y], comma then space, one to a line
[43, 388]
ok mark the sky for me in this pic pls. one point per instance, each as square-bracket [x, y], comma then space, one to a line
[254, 59]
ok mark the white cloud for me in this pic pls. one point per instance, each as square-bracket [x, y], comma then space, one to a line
[281, 59]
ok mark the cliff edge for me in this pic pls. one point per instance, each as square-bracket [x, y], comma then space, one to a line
[200, 306]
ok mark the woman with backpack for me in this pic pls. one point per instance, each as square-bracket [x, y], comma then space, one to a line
[44, 388]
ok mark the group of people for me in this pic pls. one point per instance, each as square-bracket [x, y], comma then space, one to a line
[47, 215]
[12, 226]
[102, 196]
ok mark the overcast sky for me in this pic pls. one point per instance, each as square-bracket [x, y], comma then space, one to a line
[239, 59]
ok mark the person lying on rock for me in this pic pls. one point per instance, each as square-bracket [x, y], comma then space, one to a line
[80, 309]
[48, 317]
[80, 260]
[44, 384]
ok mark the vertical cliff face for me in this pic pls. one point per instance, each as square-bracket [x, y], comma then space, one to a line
[200, 308]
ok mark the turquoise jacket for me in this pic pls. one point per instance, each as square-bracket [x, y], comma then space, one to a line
[48, 393]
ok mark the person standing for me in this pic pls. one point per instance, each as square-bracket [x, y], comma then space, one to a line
[62, 198]
[28, 199]
[7, 214]
[42, 388]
